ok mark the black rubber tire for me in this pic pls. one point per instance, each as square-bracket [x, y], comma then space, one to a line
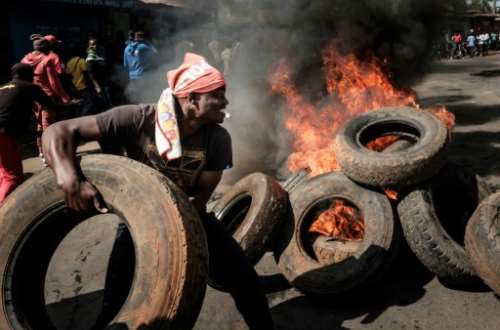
[482, 241]
[252, 210]
[434, 216]
[170, 244]
[392, 169]
[309, 274]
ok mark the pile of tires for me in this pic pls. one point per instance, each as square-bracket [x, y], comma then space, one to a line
[446, 216]
[435, 199]
[171, 260]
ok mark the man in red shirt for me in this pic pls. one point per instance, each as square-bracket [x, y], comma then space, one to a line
[457, 45]
[46, 68]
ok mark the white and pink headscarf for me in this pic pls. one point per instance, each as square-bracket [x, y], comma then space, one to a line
[195, 75]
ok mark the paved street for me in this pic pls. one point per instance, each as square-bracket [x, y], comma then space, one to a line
[410, 297]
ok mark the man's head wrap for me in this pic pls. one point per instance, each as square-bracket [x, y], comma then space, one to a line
[195, 75]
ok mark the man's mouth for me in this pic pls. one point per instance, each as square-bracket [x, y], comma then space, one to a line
[226, 114]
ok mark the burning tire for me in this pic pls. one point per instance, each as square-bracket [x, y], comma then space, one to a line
[482, 241]
[252, 211]
[317, 264]
[434, 216]
[170, 247]
[420, 161]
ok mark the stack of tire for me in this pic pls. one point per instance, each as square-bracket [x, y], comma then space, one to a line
[435, 200]
[436, 197]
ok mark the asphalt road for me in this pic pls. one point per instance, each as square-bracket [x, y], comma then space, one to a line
[408, 298]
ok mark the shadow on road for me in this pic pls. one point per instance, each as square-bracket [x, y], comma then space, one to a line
[487, 73]
[477, 148]
[403, 285]
[445, 99]
[473, 114]
[477, 151]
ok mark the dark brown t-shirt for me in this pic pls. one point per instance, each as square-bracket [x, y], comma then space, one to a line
[130, 130]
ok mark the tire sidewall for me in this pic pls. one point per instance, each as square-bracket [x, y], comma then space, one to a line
[402, 168]
[308, 274]
[267, 211]
[161, 240]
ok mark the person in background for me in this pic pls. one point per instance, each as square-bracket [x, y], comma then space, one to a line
[16, 105]
[493, 40]
[456, 39]
[139, 57]
[229, 56]
[55, 52]
[77, 68]
[471, 43]
[215, 47]
[46, 70]
[97, 70]
[483, 43]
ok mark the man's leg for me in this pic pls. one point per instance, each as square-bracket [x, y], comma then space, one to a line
[11, 165]
[229, 267]
[45, 118]
[453, 50]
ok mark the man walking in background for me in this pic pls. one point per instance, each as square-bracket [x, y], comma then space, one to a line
[77, 69]
[138, 58]
[97, 70]
[46, 70]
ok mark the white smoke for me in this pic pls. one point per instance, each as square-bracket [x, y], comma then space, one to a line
[400, 31]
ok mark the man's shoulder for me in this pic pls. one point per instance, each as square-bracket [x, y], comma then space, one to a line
[144, 109]
[218, 132]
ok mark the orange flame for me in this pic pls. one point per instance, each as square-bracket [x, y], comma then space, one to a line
[380, 143]
[391, 194]
[340, 221]
[354, 87]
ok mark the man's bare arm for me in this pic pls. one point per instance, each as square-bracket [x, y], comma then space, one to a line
[207, 183]
[59, 145]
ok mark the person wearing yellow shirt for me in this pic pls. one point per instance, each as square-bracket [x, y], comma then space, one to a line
[77, 68]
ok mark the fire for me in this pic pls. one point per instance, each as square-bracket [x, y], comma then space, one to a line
[340, 221]
[445, 116]
[313, 131]
[379, 144]
[353, 87]
[391, 194]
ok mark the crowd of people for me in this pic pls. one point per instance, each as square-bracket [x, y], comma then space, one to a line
[473, 43]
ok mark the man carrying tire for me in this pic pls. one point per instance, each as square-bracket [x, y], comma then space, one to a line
[180, 137]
